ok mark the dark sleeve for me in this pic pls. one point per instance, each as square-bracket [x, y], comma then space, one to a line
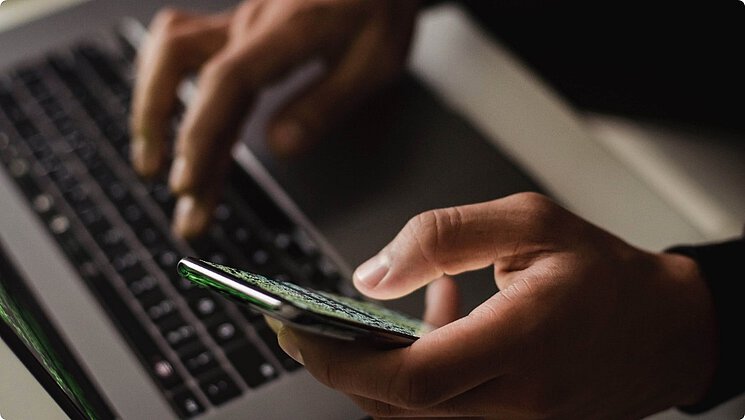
[723, 267]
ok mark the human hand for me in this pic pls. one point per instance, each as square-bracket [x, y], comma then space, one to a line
[584, 325]
[236, 54]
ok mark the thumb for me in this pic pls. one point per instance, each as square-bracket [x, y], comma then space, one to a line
[503, 232]
[423, 251]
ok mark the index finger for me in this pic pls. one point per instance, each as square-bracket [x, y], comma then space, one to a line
[416, 377]
[227, 86]
[178, 43]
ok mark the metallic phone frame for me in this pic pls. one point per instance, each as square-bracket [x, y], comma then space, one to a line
[286, 311]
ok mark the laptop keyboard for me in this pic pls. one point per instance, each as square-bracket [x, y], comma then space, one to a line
[64, 140]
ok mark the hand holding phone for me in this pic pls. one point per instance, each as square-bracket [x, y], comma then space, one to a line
[310, 310]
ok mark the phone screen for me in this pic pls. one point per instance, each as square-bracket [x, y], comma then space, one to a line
[345, 310]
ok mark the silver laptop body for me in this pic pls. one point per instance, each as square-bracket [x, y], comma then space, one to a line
[342, 210]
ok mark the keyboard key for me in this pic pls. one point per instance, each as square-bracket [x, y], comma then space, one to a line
[26, 129]
[181, 335]
[165, 373]
[117, 192]
[38, 144]
[218, 387]
[197, 358]
[225, 331]
[163, 197]
[148, 234]
[147, 292]
[43, 203]
[59, 224]
[15, 114]
[288, 245]
[114, 249]
[160, 310]
[242, 236]
[132, 213]
[305, 242]
[110, 237]
[167, 260]
[205, 304]
[252, 366]
[135, 273]
[170, 322]
[186, 403]
[143, 287]
[125, 262]
[261, 259]
[77, 195]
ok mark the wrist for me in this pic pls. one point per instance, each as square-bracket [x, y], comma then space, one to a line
[698, 334]
[721, 266]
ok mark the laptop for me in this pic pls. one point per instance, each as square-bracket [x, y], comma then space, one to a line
[91, 243]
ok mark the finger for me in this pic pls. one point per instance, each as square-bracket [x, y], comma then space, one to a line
[460, 407]
[273, 323]
[226, 88]
[194, 209]
[178, 43]
[442, 302]
[511, 233]
[424, 373]
[351, 79]
[204, 143]
[493, 399]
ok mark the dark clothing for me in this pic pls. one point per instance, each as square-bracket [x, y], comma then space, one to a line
[677, 61]
[671, 60]
[722, 264]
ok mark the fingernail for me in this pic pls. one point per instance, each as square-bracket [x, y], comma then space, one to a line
[177, 177]
[287, 136]
[189, 216]
[144, 162]
[273, 323]
[372, 271]
[289, 345]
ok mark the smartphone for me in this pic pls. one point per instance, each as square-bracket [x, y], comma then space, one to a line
[310, 310]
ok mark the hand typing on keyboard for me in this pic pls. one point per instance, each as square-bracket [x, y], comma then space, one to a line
[237, 53]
